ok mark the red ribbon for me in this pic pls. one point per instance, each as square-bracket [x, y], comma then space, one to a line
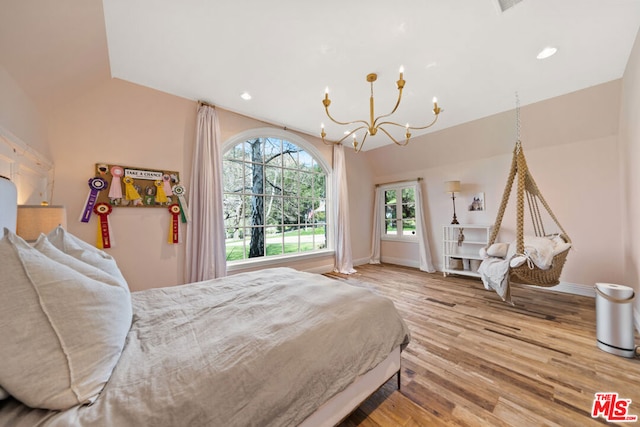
[104, 235]
[174, 210]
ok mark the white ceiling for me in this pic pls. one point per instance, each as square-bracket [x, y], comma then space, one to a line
[285, 52]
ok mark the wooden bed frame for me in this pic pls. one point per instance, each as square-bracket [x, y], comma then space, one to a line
[341, 405]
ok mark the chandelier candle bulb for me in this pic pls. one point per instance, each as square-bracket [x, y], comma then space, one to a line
[326, 100]
[400, 81]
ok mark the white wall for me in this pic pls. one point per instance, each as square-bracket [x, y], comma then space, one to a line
[571, 146]
[122, 123]
[137, 126]
[630, 173]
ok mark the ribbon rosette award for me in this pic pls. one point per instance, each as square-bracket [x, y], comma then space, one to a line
[174, 229]
[104, 231]
[96, 185]
[130, 192]
[179, 191]
[115, 189]
[166, 184]
[161, 196]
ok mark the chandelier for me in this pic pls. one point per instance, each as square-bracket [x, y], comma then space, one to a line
[374, 124]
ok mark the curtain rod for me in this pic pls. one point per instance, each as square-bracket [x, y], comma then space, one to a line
[398, 182]
[205, 103]
[283, 127]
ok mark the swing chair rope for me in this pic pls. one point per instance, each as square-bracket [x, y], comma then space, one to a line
[521, 167]
[532, 212]
[505, 200]
[526, 273]
[525, 182]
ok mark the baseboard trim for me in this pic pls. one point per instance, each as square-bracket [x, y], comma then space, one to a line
[571, 288]
[401, 261]
[321, 269]
[361, 261]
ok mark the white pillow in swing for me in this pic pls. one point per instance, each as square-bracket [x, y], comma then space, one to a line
[498, 250]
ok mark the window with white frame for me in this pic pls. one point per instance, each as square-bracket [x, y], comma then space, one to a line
[399, 212]
[275, 197]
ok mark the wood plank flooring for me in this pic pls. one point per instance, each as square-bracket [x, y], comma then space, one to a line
[476, 361]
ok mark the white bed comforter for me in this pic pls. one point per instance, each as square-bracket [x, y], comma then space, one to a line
[256, 349]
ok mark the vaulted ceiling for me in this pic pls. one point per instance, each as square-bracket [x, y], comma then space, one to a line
[469, 53]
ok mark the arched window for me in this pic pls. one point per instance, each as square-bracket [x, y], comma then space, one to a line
[275, 196]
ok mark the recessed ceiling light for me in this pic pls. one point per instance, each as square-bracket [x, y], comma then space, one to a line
[547, 52]
[245, 95]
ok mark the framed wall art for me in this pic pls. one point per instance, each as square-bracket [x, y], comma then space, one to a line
[477, 203]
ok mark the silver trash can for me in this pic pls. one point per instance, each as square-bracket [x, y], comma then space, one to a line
[614, 319]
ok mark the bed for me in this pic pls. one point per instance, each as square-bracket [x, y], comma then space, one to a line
[275, 347]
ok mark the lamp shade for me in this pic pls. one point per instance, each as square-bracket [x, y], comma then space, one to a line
[34, 219]
[452, 186]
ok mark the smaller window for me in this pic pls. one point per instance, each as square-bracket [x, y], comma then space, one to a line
[399, 212]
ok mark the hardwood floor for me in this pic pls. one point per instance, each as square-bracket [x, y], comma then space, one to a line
[476, 361]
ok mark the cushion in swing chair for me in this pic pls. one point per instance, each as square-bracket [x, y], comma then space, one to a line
[542, 260]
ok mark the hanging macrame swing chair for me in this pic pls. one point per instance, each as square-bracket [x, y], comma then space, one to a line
[527, 273]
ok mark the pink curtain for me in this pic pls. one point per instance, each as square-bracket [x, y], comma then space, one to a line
[344, 260]
[206, 255]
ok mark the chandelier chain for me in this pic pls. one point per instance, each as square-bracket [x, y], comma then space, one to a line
[517, 121]
[517, 117]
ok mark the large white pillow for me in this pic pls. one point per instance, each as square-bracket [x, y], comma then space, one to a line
[79, 249]
[62, 332]
[46, 247]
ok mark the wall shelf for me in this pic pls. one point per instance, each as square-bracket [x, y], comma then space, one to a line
[461, 244]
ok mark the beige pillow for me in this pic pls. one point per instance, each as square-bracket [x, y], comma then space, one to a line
[79, 249]
[62, 332]
[498, 250]
[46, 247]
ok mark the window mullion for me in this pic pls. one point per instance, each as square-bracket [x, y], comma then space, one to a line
[399, 222]
[290, 176]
